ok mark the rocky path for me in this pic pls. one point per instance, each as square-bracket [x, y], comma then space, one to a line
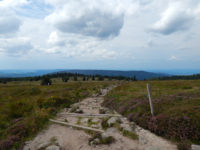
[90, 114]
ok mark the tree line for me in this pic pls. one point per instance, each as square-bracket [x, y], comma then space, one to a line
[46, 79]
[180, 77]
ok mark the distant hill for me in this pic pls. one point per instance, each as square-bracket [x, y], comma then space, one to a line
[140, 75]
[25, 73]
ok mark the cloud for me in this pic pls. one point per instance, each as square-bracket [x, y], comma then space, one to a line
[54, 39]
[15, 46]
[90, 23]
[78, 47]
[12, 3]
[176, 18]
[9, 20]
[9, 24]
[172, 58]
[100, 19]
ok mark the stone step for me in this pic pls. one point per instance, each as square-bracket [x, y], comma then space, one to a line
[89, 115]
[77, 126]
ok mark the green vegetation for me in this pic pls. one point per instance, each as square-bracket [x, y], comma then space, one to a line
[129, 134]
[46, 80]
[101, 140]
[104, 123]
[176, 106]
[181, 77]
[65, 78]
[26, 106]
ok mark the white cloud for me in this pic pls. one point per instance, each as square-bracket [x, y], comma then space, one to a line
[80, 47]
[172, 58]
[15, 46]
[54, 39]
[100, 19]
[177, 17]
[9, 21]
[5, 4]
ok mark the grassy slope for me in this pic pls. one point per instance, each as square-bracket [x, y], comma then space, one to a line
[176, 104]
[25, 107]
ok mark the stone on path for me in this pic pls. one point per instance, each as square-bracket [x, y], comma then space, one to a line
[126, 127]
[53, 147]
[153, 148]
[112, 121]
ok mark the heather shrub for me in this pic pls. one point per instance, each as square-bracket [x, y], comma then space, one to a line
[176, 108]
[25, 107]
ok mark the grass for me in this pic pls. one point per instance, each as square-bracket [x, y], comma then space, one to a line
[176, 106]
[129, 134]
[104, 123]
[101, 140]
[25, 107]
[79, 121]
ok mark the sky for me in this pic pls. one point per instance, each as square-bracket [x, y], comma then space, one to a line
[100, 34]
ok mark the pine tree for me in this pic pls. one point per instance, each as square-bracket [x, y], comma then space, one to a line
[75, 78]
[46, 80]
[84, 78]
[93, 78]
[65, 79]
[134, 78]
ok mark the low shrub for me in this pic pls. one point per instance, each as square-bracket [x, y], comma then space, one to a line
[104, 123]
[129, 134]
[176, 108]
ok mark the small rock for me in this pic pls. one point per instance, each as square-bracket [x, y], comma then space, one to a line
[152, 148]
[43, 145]
[112, 121]
[79, 111]
[96, 141]
[84, 120]
[94, 126]
[53, 147]
[103, 110]
[126, 127]
[142, 140]
[95, 120]
[111, 130]
[104, 135]
[195, 147]
[27, 142]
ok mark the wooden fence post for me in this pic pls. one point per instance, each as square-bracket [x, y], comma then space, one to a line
[150, 100]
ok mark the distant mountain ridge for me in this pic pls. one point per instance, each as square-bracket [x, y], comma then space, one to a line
[140, 75]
